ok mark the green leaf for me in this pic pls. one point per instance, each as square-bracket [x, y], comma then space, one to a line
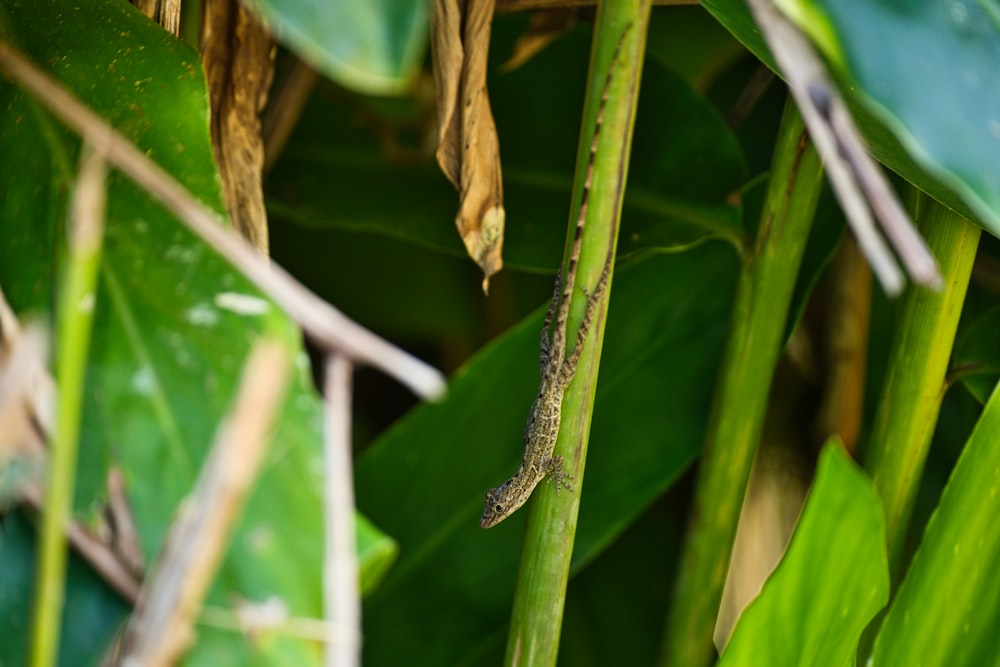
[375, 46]
[832, 580]
[616, 619]
[424, 480]
[947, 609]
[92, 613]
[376, 554]
[928, 71]
[922, 81]
[976, 359]
[685, 164]
[173, 322]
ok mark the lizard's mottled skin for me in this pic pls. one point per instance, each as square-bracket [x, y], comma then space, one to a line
[557, 369]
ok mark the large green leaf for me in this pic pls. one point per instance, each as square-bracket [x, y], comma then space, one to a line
[375, 46]
[424, 480]
[685, 164]
[976, 358]
[928, 70]
[832, 580]
[922, 80]
[173, 322]
[612, 619]
[948, 607]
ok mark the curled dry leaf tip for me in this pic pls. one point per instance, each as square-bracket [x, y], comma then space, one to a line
[468, 147]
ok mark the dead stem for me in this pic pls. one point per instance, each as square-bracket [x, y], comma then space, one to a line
[161, 627]
[342, 599]
[322, 323]
[855, 176]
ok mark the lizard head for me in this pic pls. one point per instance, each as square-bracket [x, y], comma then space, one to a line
[499, 503]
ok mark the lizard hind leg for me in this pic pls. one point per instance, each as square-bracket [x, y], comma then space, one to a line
[569, 366]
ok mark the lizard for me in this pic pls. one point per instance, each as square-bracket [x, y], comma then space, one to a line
[557, 368]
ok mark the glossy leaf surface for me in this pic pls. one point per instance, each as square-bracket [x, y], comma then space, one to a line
[424, 480]
[173, 322]
[374, 46]
[831, 581]
[953, 568]
[922, 80]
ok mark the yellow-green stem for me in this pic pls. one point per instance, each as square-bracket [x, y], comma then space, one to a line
[551, 526]
[752, 351]
[915, 377]
[74, 322]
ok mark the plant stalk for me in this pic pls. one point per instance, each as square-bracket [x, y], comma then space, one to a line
[915, 377]
[74, 325]
[540, 591]
[752, 350]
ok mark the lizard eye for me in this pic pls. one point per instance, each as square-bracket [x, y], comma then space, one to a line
[498, 508]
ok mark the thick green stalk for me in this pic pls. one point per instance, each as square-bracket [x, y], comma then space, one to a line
[915, 377]
[74, 323]
[752, 351]
[551, 526]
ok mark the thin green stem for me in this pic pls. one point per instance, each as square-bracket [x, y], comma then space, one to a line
[915, 380]
[915, 377]
[752, 351]
[551, 526]
[74, 324]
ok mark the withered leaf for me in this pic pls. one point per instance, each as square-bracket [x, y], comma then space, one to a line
[547, 25]
[468, 147]
[27, 402]
[238, 54]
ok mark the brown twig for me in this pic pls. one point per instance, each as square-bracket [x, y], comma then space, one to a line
[272, 616]
[96, 553]
[856, 178]
[161, 628]
[285, 108]
[322, 323]
[27, 390]
[342, 599]
[27, 417]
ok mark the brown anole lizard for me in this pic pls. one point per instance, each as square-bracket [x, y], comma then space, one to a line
[557, 369]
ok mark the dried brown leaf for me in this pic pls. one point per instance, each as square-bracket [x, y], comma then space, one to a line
[125, 533]
[238, 54]
[468, 147]
[27, 400]
[546, 26]
[857, 180]
[775, 495]
[165, 12]
[321, 322]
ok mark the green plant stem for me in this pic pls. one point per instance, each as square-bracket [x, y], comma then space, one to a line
[752, 351]
[74, 324]
[945, 612]
[551, 523]
[915, 376]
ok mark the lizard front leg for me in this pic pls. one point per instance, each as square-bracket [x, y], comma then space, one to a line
[556, 471]
[546, 343]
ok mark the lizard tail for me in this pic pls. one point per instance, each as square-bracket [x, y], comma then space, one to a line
[558, 346]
